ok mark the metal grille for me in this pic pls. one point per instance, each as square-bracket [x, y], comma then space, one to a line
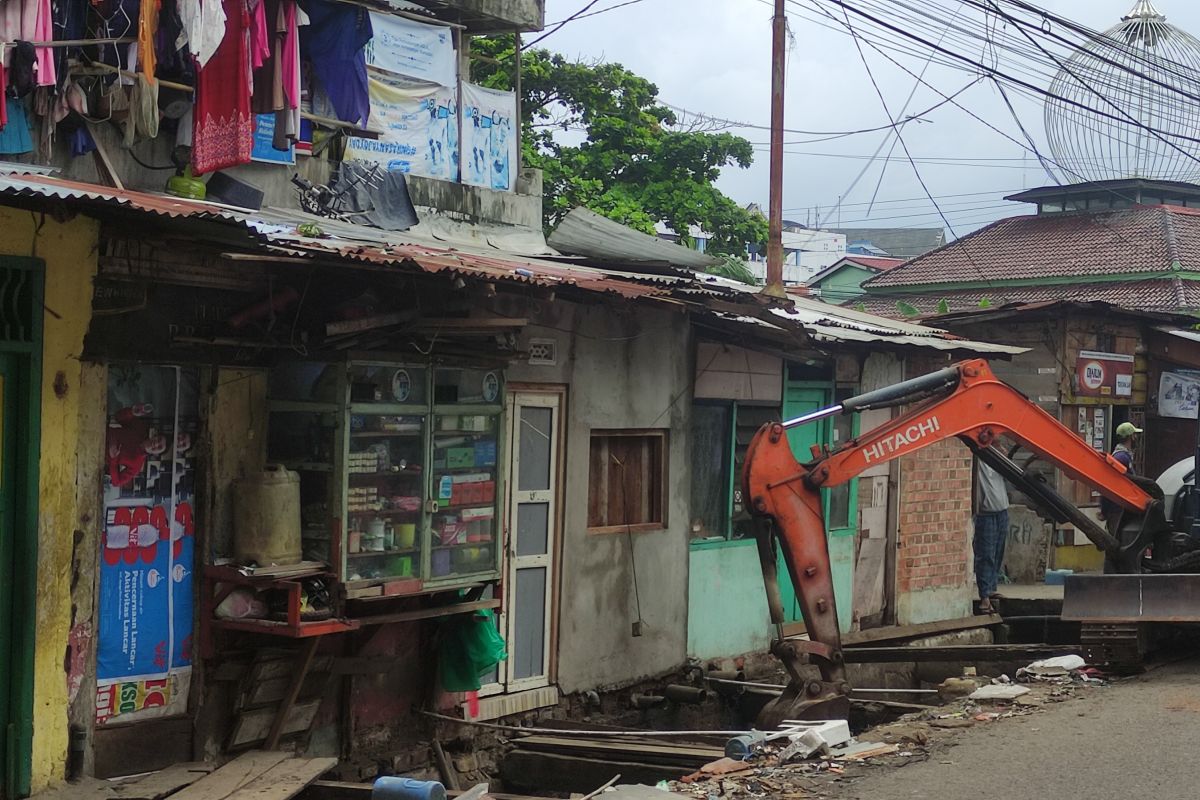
[16, 304]
[543, 352]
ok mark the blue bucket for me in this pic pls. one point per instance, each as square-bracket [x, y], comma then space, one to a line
[407, 789]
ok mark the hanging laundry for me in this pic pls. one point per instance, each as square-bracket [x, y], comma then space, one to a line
[118, 20]
[70, 23]
[15, 138]
[334, 41]
[223, 125]
[147, 28]
[260, 37]
[30, 21]
[203, 27]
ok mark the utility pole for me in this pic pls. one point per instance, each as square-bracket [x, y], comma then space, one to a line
[774, 287]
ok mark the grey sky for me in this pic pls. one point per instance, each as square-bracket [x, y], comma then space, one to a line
[713, 56]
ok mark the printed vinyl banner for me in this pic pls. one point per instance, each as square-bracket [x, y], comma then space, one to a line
[405, 47]
[1104, 375]
[418, 130]
[1179, 395]
[144, 637]
[489, 137]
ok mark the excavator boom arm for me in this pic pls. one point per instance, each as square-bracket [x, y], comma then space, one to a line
[967, 402]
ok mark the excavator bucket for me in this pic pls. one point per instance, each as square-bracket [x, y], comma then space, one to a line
[797, 704]
[1114, 599]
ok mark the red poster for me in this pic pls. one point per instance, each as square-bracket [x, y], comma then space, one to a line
[1103, 375]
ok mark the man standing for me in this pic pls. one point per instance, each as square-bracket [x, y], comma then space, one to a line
[991, 532]
[1110, 511]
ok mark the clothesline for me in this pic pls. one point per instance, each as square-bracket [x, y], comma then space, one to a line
[76, 42]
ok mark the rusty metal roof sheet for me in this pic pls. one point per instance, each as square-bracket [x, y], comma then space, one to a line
[275, 231]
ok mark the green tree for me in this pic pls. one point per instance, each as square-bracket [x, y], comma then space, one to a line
[604, 141]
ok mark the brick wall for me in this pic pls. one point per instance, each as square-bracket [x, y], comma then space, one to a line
[935, 518]
[935, 562]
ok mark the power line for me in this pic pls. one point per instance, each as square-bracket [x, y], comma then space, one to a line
[904, 145]
[580, 14]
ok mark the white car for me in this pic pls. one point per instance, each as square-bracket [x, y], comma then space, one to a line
[1178, 480]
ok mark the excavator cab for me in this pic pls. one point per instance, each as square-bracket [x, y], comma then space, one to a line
[967, 402]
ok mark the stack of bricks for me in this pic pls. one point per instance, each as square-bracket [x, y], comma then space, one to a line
[935, 514]
[935, 518]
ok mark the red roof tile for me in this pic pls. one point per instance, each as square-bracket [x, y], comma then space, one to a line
[876, 263]
[1144, 239]
[1160, 294]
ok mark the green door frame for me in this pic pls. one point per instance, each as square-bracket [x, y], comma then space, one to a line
[21, 357]
[842, 541]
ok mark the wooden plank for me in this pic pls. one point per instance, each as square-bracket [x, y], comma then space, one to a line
[693, 757]
[162, 783]
[252, 727]
[303, 665]
[428, 613]
[285, 780]
[899, 632]
[232, 776]
[961, 652]
[121, 749]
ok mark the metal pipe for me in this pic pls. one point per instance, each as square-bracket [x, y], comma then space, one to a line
[691, 695]
[813, 416]
[752, 685]
[647, 700]
[774, 287]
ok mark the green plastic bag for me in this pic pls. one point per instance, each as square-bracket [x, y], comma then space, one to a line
[470, 647]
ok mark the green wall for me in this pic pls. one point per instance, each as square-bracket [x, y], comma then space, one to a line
[844, 284]
[727, 605]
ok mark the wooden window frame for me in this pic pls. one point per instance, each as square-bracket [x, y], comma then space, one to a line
[664, 444]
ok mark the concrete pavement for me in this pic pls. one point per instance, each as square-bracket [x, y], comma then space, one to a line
[1136, 738]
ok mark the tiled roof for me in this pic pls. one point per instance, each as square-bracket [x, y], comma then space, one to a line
[899, 242]
[274, 233]
[1144, 239]
[876, 263]
[1158, 294]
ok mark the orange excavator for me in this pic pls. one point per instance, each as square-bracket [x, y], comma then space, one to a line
[968, 402]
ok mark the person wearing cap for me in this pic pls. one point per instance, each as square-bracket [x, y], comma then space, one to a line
[1110, 511]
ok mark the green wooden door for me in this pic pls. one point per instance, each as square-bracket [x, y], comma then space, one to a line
[840, 504]
[799, 399]
[8, 506]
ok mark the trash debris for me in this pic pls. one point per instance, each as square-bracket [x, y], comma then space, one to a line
[861, 751]
[803, 746]
[1059, 667]
[998, 692]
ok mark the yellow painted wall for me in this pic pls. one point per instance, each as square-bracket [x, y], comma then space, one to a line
[69, 251]
[1081, 558]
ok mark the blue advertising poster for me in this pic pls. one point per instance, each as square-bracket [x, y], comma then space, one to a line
[144, 631]
[263, 149]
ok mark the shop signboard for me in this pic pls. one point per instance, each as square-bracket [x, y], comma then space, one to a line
[145, 620]
[1108, 375]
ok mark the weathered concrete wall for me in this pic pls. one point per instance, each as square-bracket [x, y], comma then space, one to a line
[502, 15]
[69, 251]
[1028, 547]
[623, 370]
[727, 605]
[236, 425]
[81, 653]
[522, 208]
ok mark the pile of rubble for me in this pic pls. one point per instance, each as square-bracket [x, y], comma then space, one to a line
[802, 758]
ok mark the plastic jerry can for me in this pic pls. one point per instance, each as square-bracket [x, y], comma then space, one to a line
[407, 789]
[266, 527]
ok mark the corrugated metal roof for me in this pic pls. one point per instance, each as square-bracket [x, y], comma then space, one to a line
[275, 231]
[585, 233]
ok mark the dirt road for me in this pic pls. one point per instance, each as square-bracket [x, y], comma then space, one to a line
[1137, 738]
